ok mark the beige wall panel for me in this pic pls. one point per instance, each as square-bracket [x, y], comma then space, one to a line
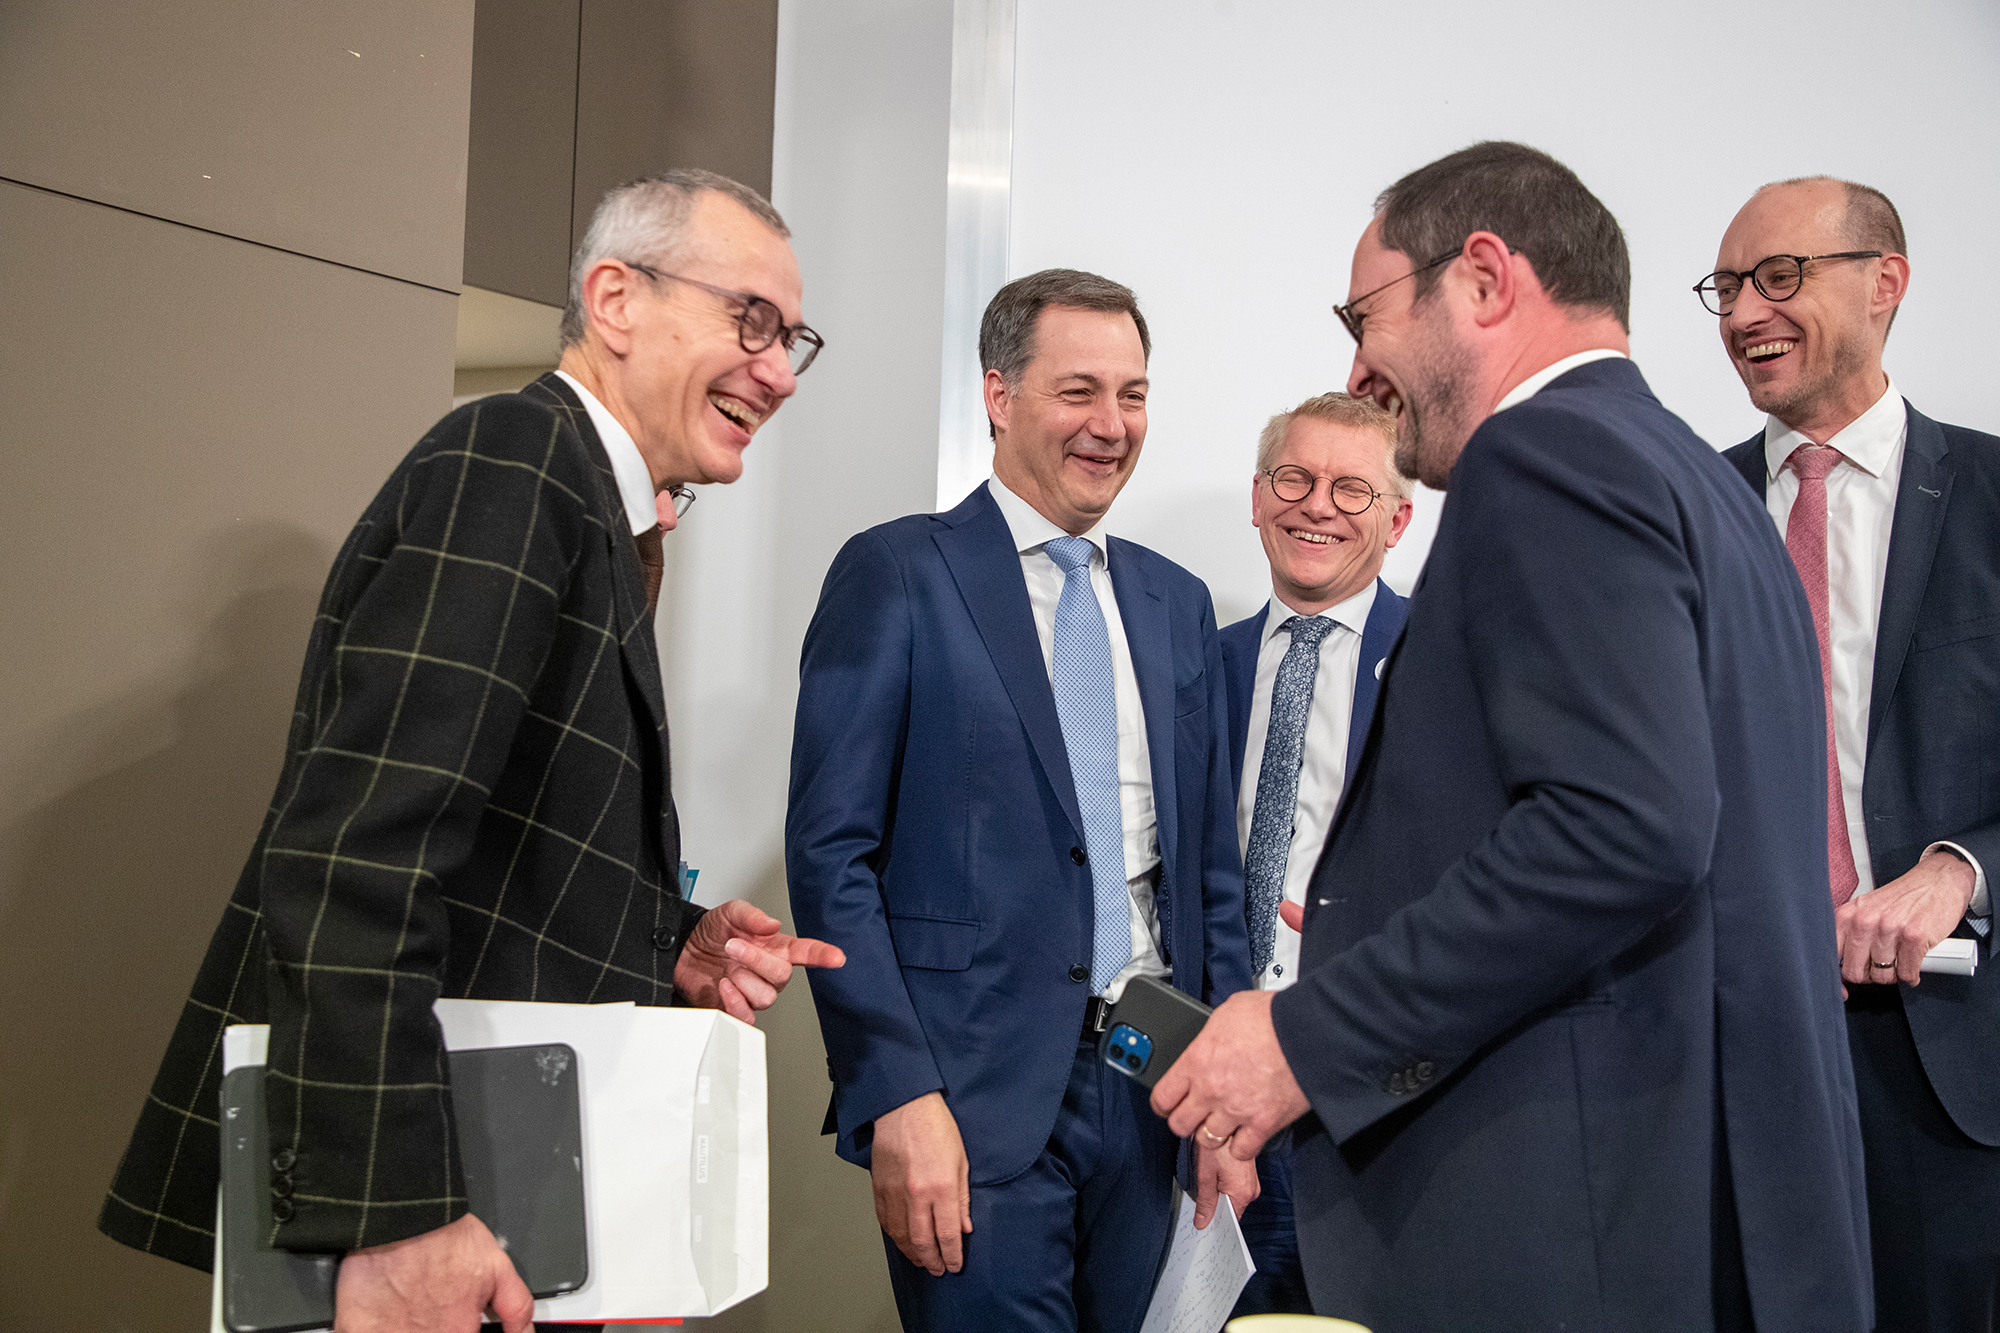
[523, 143]
[335, 128]
[193, 425]
[673, 83]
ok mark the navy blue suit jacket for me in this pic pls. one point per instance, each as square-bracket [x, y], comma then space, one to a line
[1567, 983]
[1240, 644]
[933, 831]
[1933, 769]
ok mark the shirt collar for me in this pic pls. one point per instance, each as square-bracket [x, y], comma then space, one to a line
[1869, 441]
[1352, 613]
[1538, 381]
[1031, 529]
[628, 465]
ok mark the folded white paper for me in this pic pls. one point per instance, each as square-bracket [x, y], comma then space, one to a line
[675, 1146]
[1204, 1274]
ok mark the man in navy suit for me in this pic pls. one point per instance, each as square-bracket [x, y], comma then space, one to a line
[1328, 504]
[1894, 522]
[1010, 796]
[1568, 1031]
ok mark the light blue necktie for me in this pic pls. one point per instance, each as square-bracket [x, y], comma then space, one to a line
[1276, 811]
[1087, 704]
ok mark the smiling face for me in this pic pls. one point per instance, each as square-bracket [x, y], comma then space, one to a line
[1067, 437]
[694, 395]
[1320, 556]
[1814, 360]
[1411, 362]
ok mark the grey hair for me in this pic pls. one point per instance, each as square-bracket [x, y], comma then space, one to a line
[646, 221]
[1342, 410]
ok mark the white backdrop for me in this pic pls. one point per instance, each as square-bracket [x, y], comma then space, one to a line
[1221, 158]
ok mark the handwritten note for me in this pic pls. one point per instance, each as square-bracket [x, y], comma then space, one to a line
[1204, 1275]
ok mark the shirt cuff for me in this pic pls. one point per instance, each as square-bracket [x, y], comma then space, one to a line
[1982, 904]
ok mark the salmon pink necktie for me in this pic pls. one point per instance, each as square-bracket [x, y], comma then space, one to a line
[1805, 539]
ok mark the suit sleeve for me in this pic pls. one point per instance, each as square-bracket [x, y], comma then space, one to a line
[434, 656]
[847, 759]
[1224, 926]
[1579, 617]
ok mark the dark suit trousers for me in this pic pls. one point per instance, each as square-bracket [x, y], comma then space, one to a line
[1933, 1193]
[1272, 1236]
[1073, 1243]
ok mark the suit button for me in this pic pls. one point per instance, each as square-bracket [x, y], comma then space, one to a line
[1076, 855]
[284, 1159]
[1424, 1071]
[1396, 1084]
[664, 938]
[1079, 973]
[281, 1210]
[281, 1188]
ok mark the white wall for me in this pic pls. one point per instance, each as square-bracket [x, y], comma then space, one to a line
[858, 170]
[1221, 158]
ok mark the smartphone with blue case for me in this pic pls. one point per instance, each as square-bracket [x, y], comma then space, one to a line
[1148, 1028]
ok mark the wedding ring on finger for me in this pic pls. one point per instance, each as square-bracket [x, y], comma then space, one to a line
[1212, 1139]
[1873, 963]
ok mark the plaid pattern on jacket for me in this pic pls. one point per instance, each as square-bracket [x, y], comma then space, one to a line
[475, 802]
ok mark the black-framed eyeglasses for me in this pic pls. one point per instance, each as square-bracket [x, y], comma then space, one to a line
[1351, 495]
[1351, 318]
[1776, 277]
[683, 497]
[758, 323]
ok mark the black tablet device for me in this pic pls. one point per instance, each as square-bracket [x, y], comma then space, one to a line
[520, 1128]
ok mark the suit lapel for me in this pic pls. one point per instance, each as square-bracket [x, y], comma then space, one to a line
[978, 549]
[1378, 636]
[1922, 492]
[1748, 459]
[1239, 665]
[634, 628]
[1149, 641]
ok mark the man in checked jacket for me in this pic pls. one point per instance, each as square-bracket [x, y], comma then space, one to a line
[476, 798]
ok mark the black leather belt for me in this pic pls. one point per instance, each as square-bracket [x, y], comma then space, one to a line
[1096, 1016]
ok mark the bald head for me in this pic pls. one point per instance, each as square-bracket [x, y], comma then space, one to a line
[1866, 217]
[1810, 351]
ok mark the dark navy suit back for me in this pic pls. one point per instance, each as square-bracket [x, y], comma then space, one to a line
[1568, 1003]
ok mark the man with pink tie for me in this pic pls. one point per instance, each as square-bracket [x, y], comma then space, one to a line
[1893, 521]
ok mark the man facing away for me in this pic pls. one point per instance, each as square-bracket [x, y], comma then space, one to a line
[1894, 522]
[1010, 796]
[1567, 1025]
[476, 799]
[1327, 503]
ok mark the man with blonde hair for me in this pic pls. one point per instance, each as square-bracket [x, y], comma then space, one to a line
[1328, 503]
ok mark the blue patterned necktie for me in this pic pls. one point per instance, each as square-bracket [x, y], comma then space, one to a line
[1276, 811]
[1087, 704]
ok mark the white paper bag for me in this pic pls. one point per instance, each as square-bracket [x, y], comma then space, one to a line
[675, 1145]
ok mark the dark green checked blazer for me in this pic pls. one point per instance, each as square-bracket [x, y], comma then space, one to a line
[475, 803]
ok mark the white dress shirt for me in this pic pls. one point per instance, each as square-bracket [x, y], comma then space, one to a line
[1323, 771]
[1538, 381]
[635, 479]
[1860, 507]
[1031, 532]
